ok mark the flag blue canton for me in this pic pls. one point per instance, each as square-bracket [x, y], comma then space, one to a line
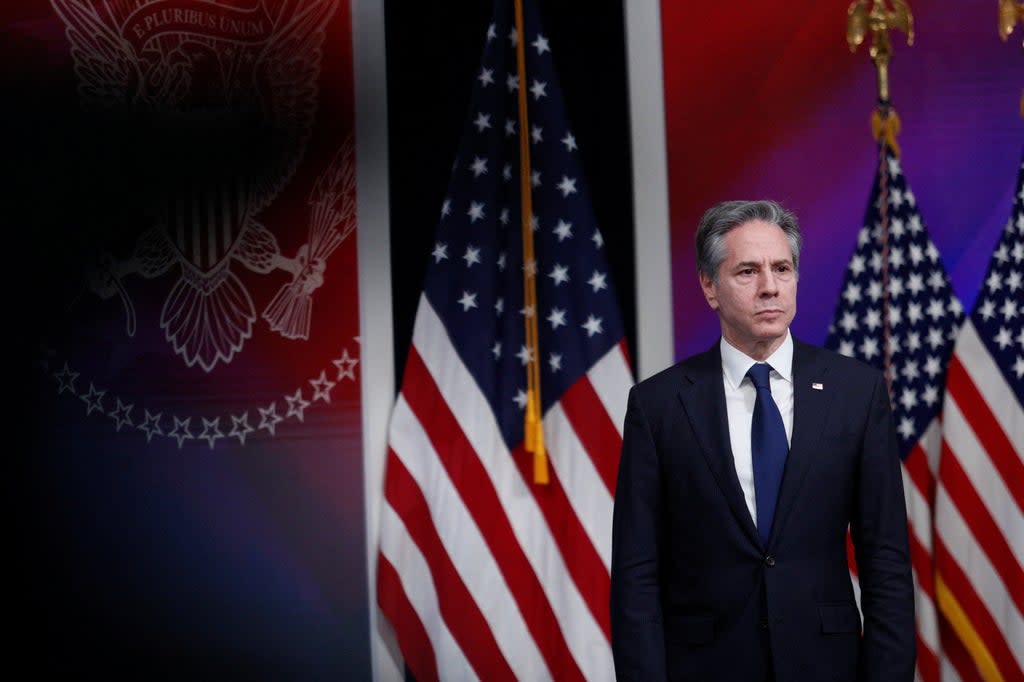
[924, 314]
[475, 278]
[999, 309]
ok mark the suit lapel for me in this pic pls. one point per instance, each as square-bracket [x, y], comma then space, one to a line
[812, 396]
[703, 398]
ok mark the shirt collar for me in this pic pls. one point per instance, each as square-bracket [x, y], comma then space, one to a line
[735, 362]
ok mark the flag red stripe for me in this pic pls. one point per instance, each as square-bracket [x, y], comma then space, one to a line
[927, 661]
[851, 553]
[953, 650]
[481, 499]
[922, 562]
[921, 559]
[983, 526]
[417, 651]
[458, 609]
[982, 621]
[987, 429]
[916, 465]
[594, 428]
[625, 352]
[581, 558]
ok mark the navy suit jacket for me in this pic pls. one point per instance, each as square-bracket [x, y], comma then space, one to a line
[694, 593]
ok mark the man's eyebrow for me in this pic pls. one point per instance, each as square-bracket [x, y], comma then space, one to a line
[756, 264]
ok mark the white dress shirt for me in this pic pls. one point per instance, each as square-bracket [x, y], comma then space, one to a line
[739, 402]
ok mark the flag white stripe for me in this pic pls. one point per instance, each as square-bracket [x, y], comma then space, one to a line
[985, 478]
[974, 563]
[947, 673]
[414, 573]
[931, 442]
[919, 512]
[583, 486]
[469, 406]
[999, 397]
[465, 545]
[927, 618]
[610, 376]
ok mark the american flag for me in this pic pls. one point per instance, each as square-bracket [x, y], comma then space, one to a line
[897, 311]
[482, 572]
[979, 502]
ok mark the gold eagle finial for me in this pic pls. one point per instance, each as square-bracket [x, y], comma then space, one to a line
[1010, 12]
[879, 20]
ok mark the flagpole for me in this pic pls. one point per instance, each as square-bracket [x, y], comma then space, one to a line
[885, 123]
[534, 426]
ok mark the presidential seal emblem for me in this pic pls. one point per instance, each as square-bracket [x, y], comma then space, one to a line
[239, 226]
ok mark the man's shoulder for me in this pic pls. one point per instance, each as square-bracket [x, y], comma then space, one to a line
[673, 376]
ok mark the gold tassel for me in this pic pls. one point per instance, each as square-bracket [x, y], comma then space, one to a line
[886, 127]
[535, 440]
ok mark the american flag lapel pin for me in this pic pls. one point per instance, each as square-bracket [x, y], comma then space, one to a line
[817, 387]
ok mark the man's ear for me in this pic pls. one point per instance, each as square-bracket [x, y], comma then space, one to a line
[707, 285]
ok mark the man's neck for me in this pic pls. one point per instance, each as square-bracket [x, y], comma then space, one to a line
[760, 350]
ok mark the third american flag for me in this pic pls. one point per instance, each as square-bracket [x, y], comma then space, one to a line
[979, 507]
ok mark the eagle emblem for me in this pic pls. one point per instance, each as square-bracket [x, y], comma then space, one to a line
[232, 87]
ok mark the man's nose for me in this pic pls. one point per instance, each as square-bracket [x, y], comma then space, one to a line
[769, 285]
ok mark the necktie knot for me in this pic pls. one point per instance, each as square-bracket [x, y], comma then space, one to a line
[759, 373]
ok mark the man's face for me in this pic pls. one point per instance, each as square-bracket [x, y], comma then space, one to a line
[755, 295]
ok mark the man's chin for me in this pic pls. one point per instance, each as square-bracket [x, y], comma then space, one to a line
[773, 330]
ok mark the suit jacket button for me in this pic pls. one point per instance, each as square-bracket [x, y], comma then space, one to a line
[764, 623]
[769, 561]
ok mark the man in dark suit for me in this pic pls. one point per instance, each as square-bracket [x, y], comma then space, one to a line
[742, 468]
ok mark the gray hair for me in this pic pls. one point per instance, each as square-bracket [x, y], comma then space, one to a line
[721, 218]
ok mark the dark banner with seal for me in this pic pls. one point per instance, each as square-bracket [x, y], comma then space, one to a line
[194, 506]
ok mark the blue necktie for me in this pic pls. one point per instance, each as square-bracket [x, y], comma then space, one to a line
[769, 449]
